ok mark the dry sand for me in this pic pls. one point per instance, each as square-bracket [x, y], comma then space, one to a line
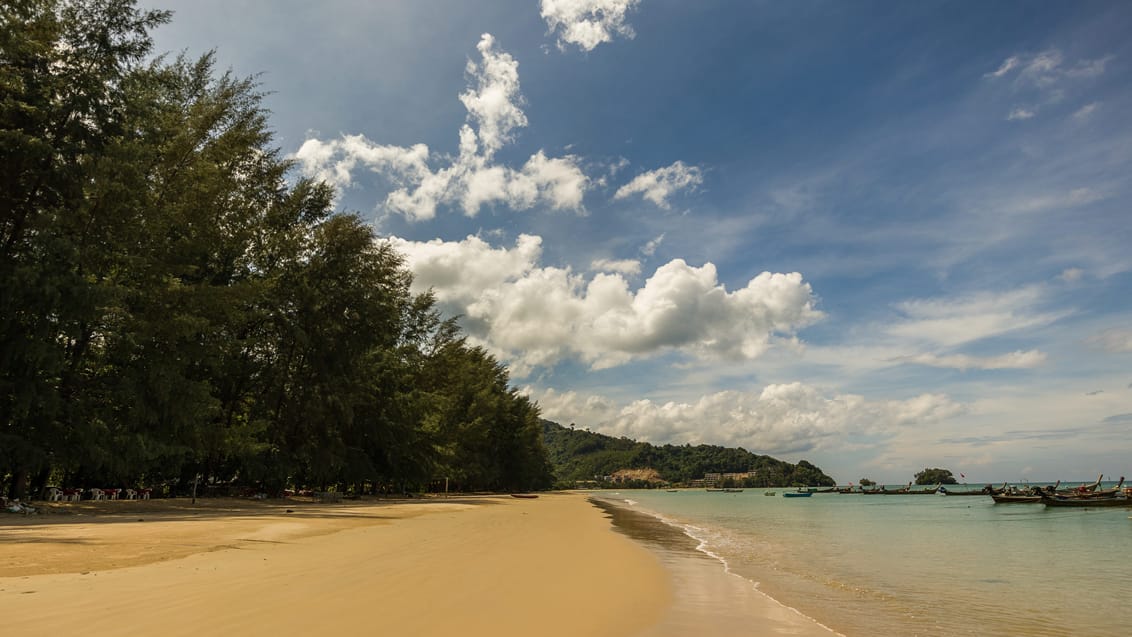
[464, 566]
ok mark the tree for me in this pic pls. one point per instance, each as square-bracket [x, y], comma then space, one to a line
[63, 71]
[173, 304]
[935, 476]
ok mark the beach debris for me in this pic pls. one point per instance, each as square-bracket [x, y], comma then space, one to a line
[15, 506]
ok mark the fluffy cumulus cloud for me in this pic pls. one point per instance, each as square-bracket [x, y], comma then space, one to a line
[587, 23]
[778, 419]
[532, 315]
[423, 181]
[660, 184]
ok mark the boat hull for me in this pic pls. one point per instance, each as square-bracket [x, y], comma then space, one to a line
[1086, 502]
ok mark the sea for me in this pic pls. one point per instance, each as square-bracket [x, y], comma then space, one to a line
[910, 565]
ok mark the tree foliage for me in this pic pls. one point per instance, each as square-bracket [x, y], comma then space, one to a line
[935, 476]
[173, 304]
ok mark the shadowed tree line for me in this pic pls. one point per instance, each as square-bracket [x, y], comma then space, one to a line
[174, 304]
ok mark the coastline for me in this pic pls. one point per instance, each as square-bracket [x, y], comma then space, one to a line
[708, 598]
[481, 565]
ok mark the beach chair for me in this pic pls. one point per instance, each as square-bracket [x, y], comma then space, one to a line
[143, 494]
[72, 495]
[130, 494]
[54, 495]
[97, 494]
[111, 494]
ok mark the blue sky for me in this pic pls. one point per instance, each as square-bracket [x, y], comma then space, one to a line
[877, 236]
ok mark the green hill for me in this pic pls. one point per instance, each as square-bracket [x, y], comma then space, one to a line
[576, 454]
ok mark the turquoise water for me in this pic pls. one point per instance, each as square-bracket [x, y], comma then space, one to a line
[916, 565]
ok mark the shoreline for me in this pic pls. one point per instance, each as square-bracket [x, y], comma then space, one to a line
[471, 565]
[562, 564]
[709, 598]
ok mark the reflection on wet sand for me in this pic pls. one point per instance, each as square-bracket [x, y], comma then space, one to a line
[707, 598]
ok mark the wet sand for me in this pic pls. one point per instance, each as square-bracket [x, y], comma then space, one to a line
[707, 599]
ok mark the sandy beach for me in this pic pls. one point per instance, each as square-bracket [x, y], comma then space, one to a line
[483, 565]
[466, 566]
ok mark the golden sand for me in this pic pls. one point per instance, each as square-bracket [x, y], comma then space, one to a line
[463, 566]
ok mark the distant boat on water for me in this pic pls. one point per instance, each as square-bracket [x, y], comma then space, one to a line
[768, 493]
[524, 495]
[797, 494]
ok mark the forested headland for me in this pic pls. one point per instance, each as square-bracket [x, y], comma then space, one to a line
[579, 455]
[177, 308]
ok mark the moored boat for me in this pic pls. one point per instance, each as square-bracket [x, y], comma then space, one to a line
[1097, 501]
[1015, 498]
[796, 494]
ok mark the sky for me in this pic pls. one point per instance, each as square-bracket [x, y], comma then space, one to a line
[877, 236]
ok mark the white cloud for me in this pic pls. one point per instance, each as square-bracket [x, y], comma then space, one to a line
[587, 23]
[649, 248]
[1013, 360]
[1019, 113]
[1085, 111]
[1056, 200]
[1116, 340]
[630, 267]
[1090, 68]
[494, 102]
[660, 184]
[531, 316]
[1007, 65]
[778, 419]
[1071, 275]
[948, 322]
[471, 180]
[1045, 78]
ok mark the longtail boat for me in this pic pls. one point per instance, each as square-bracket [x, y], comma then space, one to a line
[1098, 501]
[1015, 498]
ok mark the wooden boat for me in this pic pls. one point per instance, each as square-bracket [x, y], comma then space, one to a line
[672, 490]
[796, 494]
[1015, 498]
[908, 490]
[732, 490]
[987, 490]
[1099, 501]
[768, 493]
[527, 496]
[1083, 490]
